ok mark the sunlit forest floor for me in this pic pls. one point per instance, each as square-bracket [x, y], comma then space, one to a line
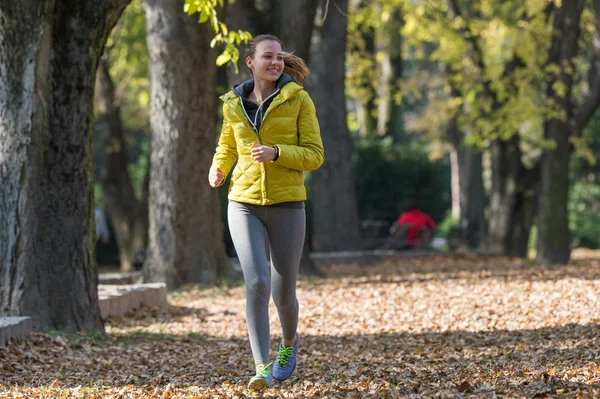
[437, 326]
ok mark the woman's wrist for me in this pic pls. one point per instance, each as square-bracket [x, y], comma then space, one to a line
[276, 148]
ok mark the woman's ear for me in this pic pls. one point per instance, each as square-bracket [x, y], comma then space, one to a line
[249, 62]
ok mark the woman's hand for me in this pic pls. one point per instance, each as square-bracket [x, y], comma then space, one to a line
[262, 153]
[216, 177]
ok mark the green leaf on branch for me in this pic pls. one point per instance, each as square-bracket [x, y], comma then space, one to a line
[230, 40]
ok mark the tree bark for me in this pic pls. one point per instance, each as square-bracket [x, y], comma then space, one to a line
[128, 214]
[366, 106]
[524, 211]
[335, 215]
[294, 25]
[512, 199]
[468, 196]
[390, 120]
[186, 231]
[50, 52]
[553, 227]
[472, 195]
[591, 101]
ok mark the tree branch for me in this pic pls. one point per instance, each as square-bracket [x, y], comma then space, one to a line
[590, 103]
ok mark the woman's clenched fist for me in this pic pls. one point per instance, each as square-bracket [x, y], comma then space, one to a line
[216, 177]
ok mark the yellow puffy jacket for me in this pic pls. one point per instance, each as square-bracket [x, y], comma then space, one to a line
[290, 123]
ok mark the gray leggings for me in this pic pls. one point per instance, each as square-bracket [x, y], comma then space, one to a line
[285, 226]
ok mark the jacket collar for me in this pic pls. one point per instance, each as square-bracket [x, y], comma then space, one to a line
[287, 85]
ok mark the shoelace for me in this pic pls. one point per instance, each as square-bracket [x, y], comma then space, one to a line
[264, 372]
[285, 352]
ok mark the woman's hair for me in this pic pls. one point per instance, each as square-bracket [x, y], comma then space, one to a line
[294, 65]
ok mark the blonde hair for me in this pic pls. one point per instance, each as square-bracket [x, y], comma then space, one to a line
[294, 65]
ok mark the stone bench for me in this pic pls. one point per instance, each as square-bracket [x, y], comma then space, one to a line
[117, 300]
[14, 327]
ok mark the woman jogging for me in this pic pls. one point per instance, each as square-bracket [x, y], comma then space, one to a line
[270, 128]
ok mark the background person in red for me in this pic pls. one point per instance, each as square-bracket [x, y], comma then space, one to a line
[413, 228]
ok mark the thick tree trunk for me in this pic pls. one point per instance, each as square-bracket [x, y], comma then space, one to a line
[186, 231]
[129, 216]
[334, 211]
[390, 121]
[50, 52]
[553, 228]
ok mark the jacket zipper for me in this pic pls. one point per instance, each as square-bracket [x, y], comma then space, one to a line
[253, 124]
[257, 132]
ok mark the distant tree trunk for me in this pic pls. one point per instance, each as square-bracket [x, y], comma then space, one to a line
[367, 109]
[472, 195]
[186, 231]
[506, 161]
[49, 54]
[389, 116]
[511, 200]
[468, 196]
[524, 211]
[553, 227]
[128, 214]
[334, 210]
[455, 184]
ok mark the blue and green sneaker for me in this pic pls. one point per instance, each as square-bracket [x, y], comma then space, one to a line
[286, 360]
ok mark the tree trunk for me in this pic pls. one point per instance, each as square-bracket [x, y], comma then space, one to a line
[367, 108]
[389, 116]
[468, 196]
[129, 216]
[294, 25]
[506, 162]
[50, 52]
[472, 195]
[512, 199]
[523, 212]
[553, 228]
[334, 207]
[455, 184]
[186, 231]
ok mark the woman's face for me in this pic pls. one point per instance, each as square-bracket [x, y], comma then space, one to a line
[267, 63]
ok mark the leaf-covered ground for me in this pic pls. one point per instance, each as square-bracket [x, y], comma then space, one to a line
[437, 326]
